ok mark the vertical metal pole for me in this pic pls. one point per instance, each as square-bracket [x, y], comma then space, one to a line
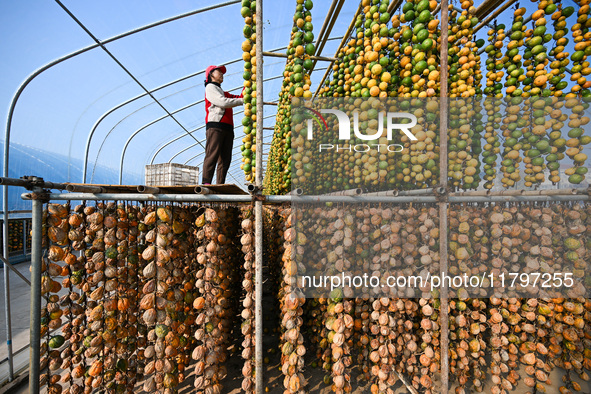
[24, 237]
[35, 329]
[7, 290]
[443, 205]
[258, 207]
[5, 236]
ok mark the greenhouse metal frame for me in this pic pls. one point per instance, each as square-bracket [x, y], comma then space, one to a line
[149, 93]
[439, 195]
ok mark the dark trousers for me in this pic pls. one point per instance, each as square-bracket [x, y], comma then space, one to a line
[218, 150]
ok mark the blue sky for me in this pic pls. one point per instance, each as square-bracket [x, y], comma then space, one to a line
[58, 108]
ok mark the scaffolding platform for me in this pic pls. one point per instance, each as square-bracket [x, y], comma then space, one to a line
[228, 188]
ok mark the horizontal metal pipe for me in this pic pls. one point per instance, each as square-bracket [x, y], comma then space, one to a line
[352, 199]
[550, 192]
[392, 193]
[202, 190]
[85, 188]
[350, 192]
[476, 193]
[14, 182]
[553, 192]
[576, 197]
[148, 189]
[31, 182]
[303, 199]
[52, 185]
[417, 192]
[226, 198]
[145, 197]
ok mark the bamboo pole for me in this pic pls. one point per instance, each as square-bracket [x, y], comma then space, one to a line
[258, 205]
[343, 41]
[394, 5]
[493, 15]
[334, 14]
[443, 205]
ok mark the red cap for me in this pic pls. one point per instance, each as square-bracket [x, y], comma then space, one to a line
[209, 69]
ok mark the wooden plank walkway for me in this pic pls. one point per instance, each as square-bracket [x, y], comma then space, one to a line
[227, 188]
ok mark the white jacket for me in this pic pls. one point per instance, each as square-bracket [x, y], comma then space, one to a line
[218, 106]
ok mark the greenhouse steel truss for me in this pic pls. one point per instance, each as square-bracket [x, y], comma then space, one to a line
[440, 195]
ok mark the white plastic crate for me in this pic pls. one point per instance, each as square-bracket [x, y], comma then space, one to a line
[171, 174]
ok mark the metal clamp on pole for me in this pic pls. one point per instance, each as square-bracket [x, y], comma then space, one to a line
[148, 189]
[33, 182]
[256, 192]
[41, 195]
[254, 189]
[36, 185]
[441, 193]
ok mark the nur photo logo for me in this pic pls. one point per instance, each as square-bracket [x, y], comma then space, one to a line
[344, 123]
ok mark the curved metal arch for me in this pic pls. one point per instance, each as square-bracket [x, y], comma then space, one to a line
[235, 154]
[201, 153]
[80, 51]
[193, 145]
[131, 137]
[184, 135]
[97, 123]
[89, 139]
[110, 111]
[202, 126]
[146, 126]
[150, 124]
[115, 126]
[131, 100]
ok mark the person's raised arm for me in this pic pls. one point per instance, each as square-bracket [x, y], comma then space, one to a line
[230, 95]
[217, 97]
